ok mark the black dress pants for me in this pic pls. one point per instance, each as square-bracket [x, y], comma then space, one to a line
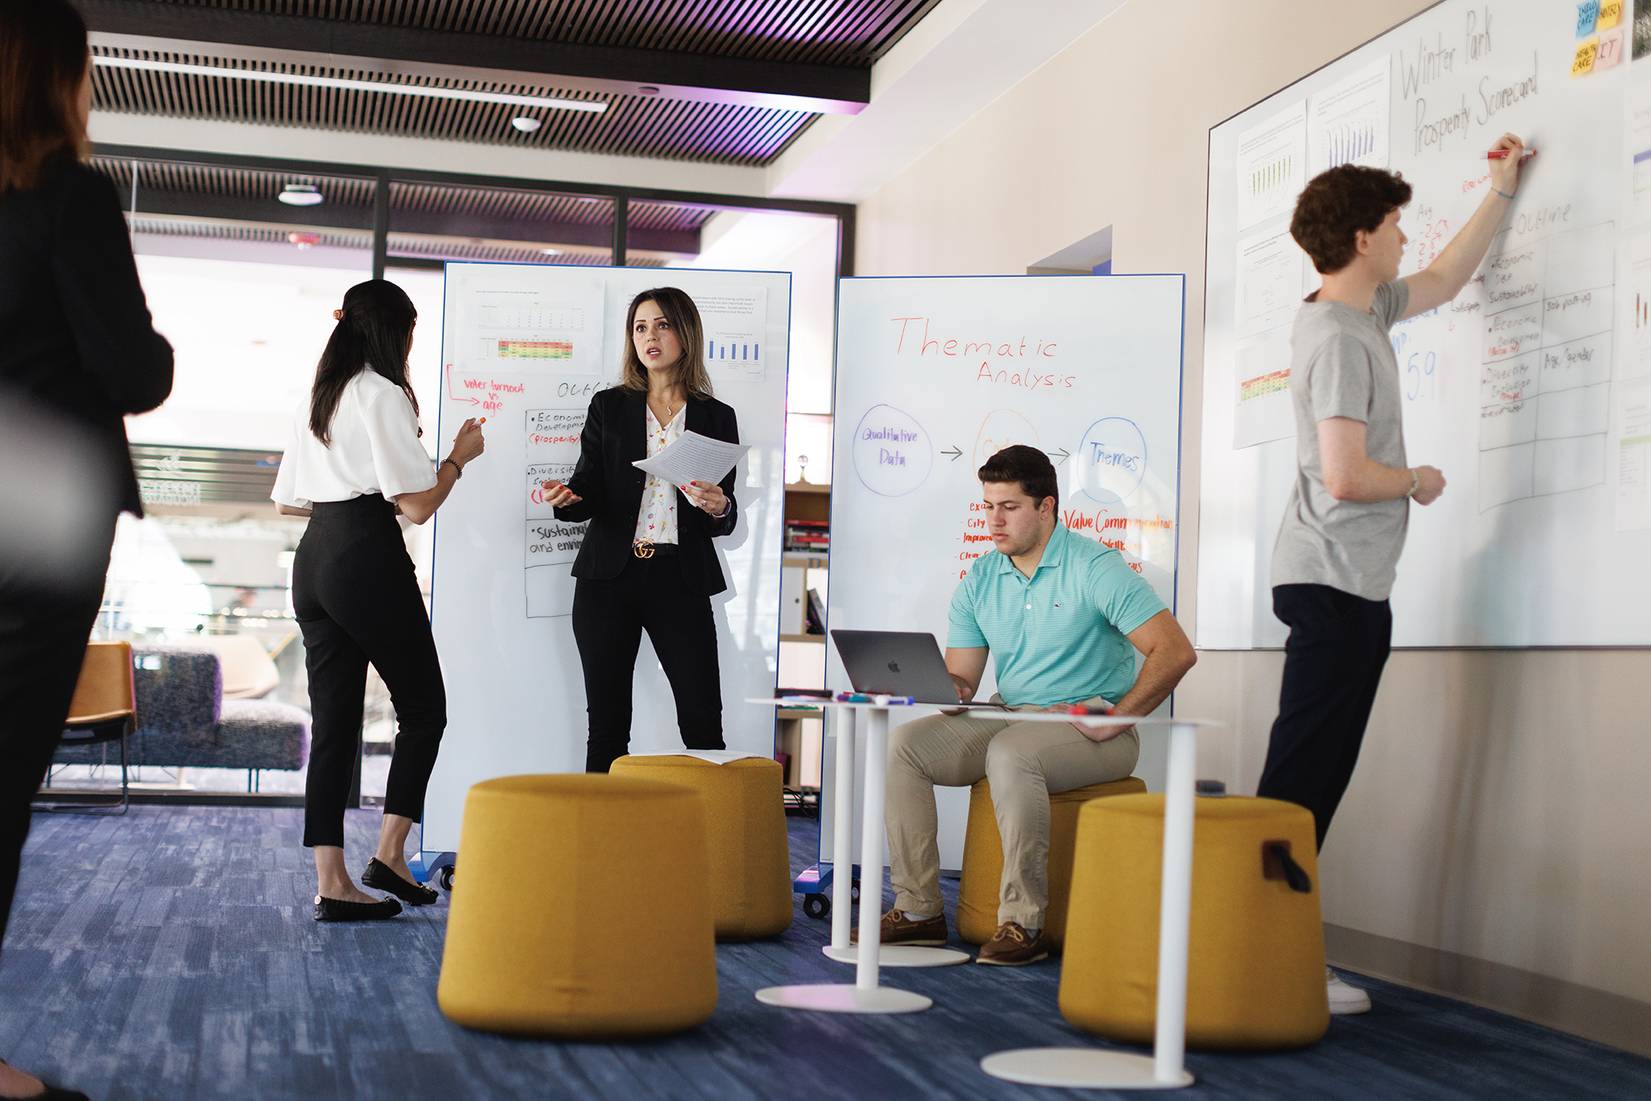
[358, 603]
[608, 620]
[43, 633]
[1333, 662]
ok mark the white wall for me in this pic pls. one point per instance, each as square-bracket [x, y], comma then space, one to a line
[1499, 812]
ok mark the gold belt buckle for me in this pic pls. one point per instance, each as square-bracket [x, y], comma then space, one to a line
[643, 548]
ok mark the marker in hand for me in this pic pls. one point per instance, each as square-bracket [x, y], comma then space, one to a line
[1502, 155]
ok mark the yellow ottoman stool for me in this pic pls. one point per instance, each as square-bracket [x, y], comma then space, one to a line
[746, 838]
[583, 909]
[1255, 964]
[977, 894]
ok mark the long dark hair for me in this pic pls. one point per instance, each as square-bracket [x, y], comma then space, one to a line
[374, 331]
[680, 311]
[43, 59]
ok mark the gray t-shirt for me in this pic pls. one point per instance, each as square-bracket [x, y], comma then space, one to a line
[1342, 365]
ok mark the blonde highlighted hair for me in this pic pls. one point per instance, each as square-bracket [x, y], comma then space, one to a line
[683, 317]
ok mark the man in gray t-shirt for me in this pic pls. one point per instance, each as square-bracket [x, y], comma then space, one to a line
[1342, 365]
[1339, 543]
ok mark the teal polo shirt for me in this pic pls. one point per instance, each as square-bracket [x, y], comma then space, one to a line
[1058, 636]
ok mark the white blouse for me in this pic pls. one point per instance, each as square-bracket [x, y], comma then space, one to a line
[375, 448]
[656, 519]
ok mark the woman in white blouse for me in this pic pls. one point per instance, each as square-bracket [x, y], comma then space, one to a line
[647, 563]
[355, 461]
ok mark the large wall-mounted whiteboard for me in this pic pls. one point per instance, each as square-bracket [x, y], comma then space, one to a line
[1532, 392]
[934, 375]
[526, 346]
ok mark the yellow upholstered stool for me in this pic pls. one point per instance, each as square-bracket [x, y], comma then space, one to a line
[583, 909]
[1255, 964]
[977, 894]
[746, 838]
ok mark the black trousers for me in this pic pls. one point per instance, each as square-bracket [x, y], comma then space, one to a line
[43, 633]
[358, 603]
[608, 620]
[1332, 664]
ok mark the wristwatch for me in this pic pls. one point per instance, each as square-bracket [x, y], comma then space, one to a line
[1415, 482]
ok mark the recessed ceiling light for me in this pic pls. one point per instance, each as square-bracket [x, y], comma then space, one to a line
[551, 251]
[304, 240]
[526, 123]
[647, 90]
[297, 194]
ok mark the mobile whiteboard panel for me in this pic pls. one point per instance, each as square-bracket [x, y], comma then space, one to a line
[1531, 392]
[526, 346]
[934, 375]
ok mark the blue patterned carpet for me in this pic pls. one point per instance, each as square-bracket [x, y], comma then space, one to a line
[170, 954]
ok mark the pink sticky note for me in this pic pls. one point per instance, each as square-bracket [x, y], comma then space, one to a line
[1610, 50]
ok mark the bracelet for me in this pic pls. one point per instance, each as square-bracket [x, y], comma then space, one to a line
[1415, 482]
[1499, 191]
[458, 471]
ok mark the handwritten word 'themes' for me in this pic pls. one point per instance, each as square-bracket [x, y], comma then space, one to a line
[986, 351]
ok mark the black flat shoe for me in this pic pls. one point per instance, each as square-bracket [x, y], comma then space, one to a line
[336, 909]
[379, 877]
[58, 1093]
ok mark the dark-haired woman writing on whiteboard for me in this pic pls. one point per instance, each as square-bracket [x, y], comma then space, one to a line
[647, 563]
[355, 461]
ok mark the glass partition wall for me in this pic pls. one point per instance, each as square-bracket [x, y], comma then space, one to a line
[243, 263]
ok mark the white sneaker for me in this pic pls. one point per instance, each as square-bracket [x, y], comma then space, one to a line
[1345, 1000]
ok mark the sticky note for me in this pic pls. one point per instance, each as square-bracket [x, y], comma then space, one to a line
[1587, 17]
[1586, 53]
[1610, 50]
[1610, 14]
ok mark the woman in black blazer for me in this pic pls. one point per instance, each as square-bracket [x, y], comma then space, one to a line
[647, 563]
[78, 352]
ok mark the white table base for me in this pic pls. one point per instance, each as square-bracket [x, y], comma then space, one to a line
[837, 997]
[1085, 1068]
[900, 955]
[864, 995]
[1081, 1068]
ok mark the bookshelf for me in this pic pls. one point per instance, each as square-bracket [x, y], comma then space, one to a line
[799, 731]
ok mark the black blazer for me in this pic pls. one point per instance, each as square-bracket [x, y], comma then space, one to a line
[75, 332]
[615, 435]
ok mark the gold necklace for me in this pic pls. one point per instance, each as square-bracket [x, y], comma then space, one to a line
[670, 413]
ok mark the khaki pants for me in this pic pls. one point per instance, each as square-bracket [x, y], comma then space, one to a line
[1025, 761]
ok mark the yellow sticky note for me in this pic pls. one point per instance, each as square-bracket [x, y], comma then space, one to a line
[1610, 14]
[1586, 52]
[1610, 51]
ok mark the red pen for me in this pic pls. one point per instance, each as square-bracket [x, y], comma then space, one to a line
[1502, 155]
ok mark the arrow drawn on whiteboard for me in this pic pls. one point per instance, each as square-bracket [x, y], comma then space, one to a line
[1063, 453]
[954, 451]
[458, 397]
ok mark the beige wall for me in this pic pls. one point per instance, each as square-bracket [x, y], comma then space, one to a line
[1502, 808]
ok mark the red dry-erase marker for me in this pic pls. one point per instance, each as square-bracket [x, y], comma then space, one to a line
[1502, 155]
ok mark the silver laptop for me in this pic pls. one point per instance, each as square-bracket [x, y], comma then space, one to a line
[896, 663]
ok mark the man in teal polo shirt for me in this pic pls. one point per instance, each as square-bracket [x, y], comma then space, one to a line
[1064, 617]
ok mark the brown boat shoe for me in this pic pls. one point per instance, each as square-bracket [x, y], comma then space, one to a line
[897, 928]
[1013, 946]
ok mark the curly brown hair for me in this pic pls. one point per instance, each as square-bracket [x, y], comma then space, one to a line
[1339, 202]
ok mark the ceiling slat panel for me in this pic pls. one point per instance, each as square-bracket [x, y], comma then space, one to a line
[845, 33]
